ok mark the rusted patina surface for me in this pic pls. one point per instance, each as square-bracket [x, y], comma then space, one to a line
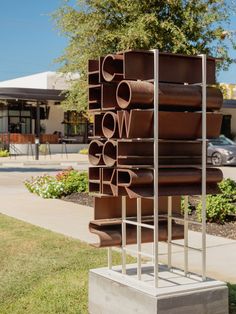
[121, 150]
[173, 68]
[140, 94]
[174, 125]
[110, 234]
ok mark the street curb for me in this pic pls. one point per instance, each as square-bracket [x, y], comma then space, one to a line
[42, 163]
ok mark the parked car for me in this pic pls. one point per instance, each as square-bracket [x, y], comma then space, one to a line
[221, 151]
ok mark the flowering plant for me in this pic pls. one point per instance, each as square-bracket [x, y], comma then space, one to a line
[45, 186]
[64, 183]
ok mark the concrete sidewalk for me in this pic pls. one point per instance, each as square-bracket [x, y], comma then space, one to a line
[53, 160]
[72, 220]
[56, 215]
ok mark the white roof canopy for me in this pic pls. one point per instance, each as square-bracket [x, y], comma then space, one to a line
[44, 80]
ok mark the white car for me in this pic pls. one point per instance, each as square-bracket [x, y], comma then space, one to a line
[221, 151]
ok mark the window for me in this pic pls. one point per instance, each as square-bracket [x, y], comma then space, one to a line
[3, 125]
[75, 124]
[3, 120]
[19, 119]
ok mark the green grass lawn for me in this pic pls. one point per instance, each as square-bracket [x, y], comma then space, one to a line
[44, 272]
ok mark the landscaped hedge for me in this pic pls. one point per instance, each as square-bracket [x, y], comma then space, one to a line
[64, 183]
[220, 206]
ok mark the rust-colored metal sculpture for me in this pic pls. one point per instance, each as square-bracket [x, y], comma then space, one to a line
[139, 183]
[110, 234]
[108, 97]
[95, 97]
[121, 97]
[95, 153]
[135, 93]
[138, 153]
[109, 153]
[110, 125]
[93, 72]
[97, 125]
[133, 153]
[109, 181]
[102, 97]
[138, 65]
[113, 206]
[95, 180]
[112, 68]
[173, 125]
[140, 94]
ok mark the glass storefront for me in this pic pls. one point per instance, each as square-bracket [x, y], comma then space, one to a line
[20, 121]
[75, 124]
[3, 120]
[16, 118]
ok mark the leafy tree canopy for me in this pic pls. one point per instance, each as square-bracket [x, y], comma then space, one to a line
[99, 27]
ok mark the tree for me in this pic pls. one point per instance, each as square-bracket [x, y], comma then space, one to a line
[99, 27]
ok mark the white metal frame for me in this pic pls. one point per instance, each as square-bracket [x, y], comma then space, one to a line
[204, 159]
[156, 163]
[170, 217]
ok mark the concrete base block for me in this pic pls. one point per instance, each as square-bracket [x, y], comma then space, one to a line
[110, 292]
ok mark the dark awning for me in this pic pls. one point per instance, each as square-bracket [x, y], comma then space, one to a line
[34, 94]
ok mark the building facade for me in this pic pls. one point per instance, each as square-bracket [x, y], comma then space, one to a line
[229, 110]
[30, 107]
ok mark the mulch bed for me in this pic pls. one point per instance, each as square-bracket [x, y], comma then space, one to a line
[227, 230]
[79, 198]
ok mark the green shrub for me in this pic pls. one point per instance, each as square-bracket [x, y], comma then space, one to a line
[65, 183]
[232, 298]
[218, 207]
[84, 151]
[74, 181]
[228, 188]
[188, 209]
[4, 153]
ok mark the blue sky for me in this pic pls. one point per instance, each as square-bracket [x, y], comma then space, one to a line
[30, 44]
[230, 75]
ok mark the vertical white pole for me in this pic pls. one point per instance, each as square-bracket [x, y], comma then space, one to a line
[153, 252]
[109, 257]
[139, 235]
[185, 235]
[123, 226]
[204, 156]
[156, 135]
[169, 239]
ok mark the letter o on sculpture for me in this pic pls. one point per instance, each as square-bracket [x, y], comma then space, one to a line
[123, 94]
[109, 125]
[135, 94]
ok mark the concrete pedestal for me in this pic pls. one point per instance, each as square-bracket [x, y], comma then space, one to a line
[110, 292]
